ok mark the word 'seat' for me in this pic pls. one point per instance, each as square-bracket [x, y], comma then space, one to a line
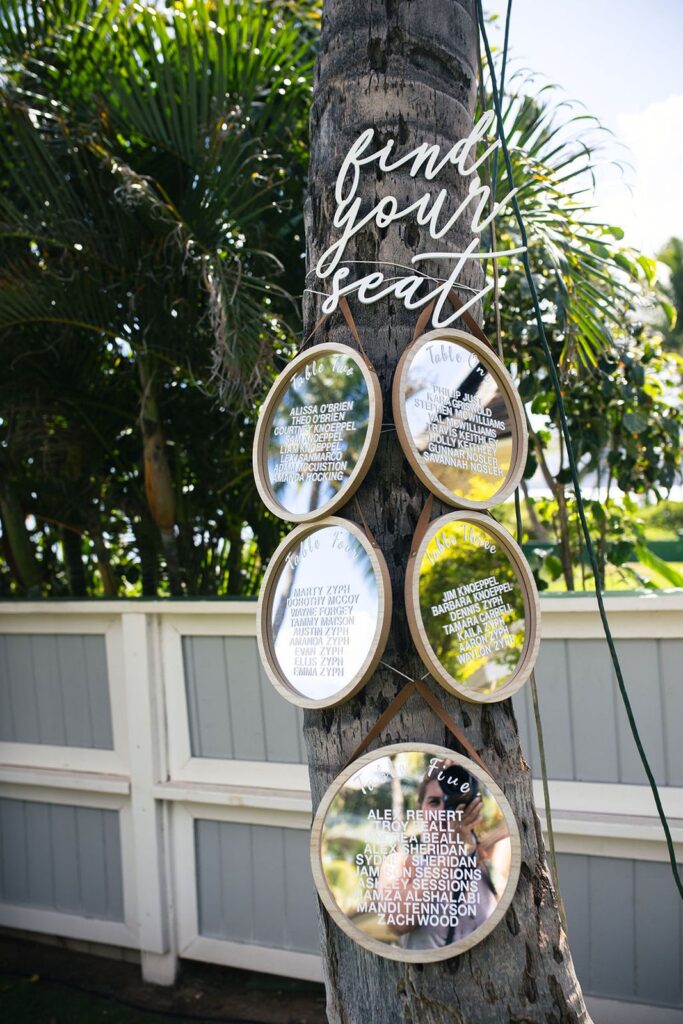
[427, 211]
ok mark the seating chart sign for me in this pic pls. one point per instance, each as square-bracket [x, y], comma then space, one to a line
[415, 852]
[459, 419]
[324, 613]
[317, 433]
[473, 607]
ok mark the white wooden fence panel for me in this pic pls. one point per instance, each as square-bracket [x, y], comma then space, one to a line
[153, 728]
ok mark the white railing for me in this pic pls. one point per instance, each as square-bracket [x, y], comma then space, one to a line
[159, 789]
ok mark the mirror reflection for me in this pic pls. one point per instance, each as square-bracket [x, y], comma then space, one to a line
[459, 420]
[416, 850]
[472, 607]
[317, 432]
[324, 612]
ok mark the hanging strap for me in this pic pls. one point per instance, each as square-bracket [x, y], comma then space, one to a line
[345, 310]
[416, 686]
[426, 313]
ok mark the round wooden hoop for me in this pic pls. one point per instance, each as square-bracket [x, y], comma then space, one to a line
[374, 945]
[260, 460]
[497, 370]
[263, 630]
[532, 610]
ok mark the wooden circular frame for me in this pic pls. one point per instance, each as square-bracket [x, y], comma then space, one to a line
[495, 367]
[263, 629]
[374, 945]
[260, 455]
[532, 609]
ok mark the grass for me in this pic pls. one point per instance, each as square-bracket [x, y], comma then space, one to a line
[617, 580]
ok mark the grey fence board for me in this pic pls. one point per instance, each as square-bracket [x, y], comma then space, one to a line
[14, 851]
[22, 698]
[207, 697]
[574, 885]
[209, 867]
[73, 671]
[48, 696]
[556, 714]
[270, 926]
[625, 924]
[282, 723]
[54, 689]
[593, 712]
[244, 691]
[300, 908]
[639, 664]
[98, 691]
[624, 918]
[38, 843]
[260, 875]
[224, 880]
[233, 710]
[65, 858]
[657, 935]
[612, 921]
[671, 674]
[61, 858]
[238, 879]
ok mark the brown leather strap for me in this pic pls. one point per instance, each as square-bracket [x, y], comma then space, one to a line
[416, 686]
[393, 708]
[317, 327]
[420, 325]
[350, 322]
[345, 309]
[423, 320]
[422, 525]
[468, 318]
[438, 710]
[426, 313]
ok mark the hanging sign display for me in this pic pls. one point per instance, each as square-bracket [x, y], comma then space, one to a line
[324, 613]
[415, 852]
[459, 419]
[317, 433]
[366, 157]
[473, 607]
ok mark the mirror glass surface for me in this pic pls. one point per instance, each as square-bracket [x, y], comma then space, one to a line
[459, 419]
[324, 612]
[317, 432]
[472, 606]
[416, 850]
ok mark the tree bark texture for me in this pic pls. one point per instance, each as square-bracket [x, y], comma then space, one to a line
[408, 69]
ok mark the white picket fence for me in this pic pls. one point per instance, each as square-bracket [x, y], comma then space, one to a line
[171, 768]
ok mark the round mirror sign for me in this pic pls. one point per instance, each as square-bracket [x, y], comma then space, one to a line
[415, 852]
[459, 419]
[317, 433]
[473, 607]
[324, 613]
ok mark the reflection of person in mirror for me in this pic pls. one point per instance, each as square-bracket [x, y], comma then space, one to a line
[442, 890]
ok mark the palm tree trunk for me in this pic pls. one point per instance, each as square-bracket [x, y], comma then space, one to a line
[72, 547]
[158, 483]
[147, 550]
[408, 70]
[23, 557]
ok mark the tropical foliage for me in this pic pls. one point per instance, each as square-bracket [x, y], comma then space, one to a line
[152, 163]
[621, 390]
[672, 258]
[152, 177]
